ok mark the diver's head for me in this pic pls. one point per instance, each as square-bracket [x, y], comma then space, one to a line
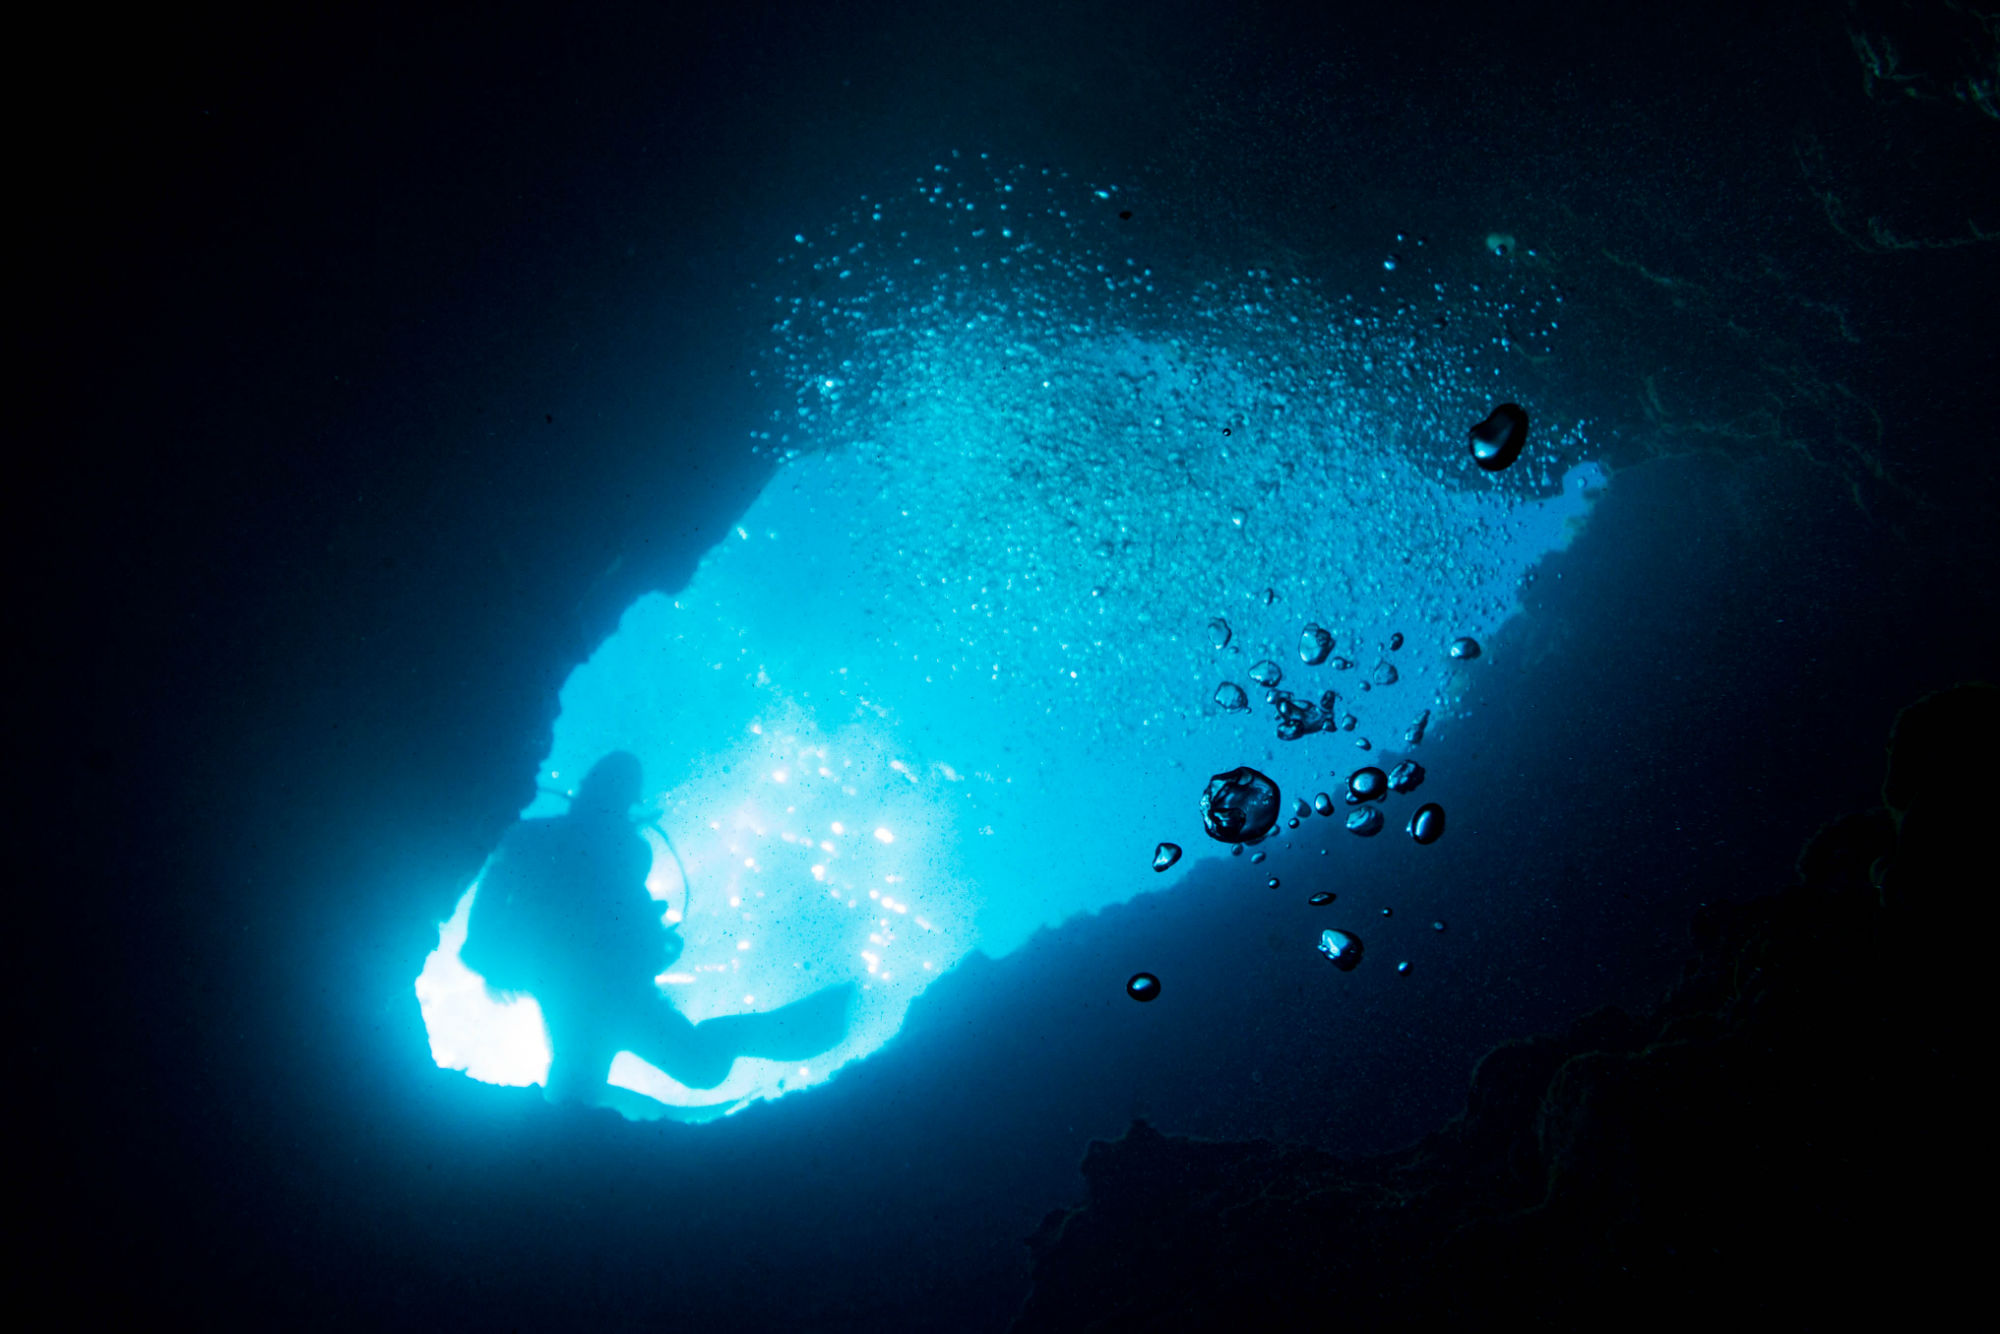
[612, 787]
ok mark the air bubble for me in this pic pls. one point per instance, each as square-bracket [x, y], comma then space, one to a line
[1386, 674]
[1343, 947]
[1314, 645]
[1497, 441]
[1464, 649]
[1406, 777]
[1323, 803]
[1366, 822]
[1143, 987]
[1366, 784]
[1395, 641]
[1166, 855]
[1321, 899]
[1239, 806]
[1427, 825]
[1267, 673]
[1218, 633]
[1229, 697]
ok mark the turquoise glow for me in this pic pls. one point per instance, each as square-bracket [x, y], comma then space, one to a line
[949, 679]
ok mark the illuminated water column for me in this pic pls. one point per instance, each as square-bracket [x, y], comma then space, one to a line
[954, 673]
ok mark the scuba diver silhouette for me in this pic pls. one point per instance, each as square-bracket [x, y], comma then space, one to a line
[563, 914]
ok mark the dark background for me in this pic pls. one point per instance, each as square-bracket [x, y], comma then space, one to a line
[373, 363]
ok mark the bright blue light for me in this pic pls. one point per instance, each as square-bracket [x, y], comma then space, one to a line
[949, 680]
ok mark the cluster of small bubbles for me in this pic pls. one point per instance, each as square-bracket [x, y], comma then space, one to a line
[1464, 648]
[1321, 899]
[1323, 803]
[1229, 697]
[1366, 822]
[1343, 947]
[1366, 784]
[1143, 987]
[1427, 825]
[1267, 673]
[1166, 855]
[1315, 644]
[1218, 633]
[1406, 777]
[1239, 806]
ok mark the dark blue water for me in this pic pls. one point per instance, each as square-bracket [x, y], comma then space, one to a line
[376, 366]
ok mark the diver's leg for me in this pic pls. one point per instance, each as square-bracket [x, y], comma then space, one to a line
[700, 1055]
[789, 1033]
[580, 1058]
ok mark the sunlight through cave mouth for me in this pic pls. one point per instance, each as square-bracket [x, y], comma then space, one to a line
[1033, 505]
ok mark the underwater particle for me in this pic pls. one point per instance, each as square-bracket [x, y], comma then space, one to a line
[1395, 641]
[1321, 899]
[1272, 882]
[1403, 967]
[1366, 784]
[1218, 633]
[1166, 855]
[1301, 808]
[1143, 987]
[1323, 803]
[1314, 645]
[1229, 697]
[1239, 806]
[1124, 215]
[1406, 777]
[1267, 673]
[1365, 823]
[1427, 825]
[1386, 674]
[1497, 441]
[1388, 912]
[1437, 926]
[1414, 733]
[1343, 947]
[1464, 649]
